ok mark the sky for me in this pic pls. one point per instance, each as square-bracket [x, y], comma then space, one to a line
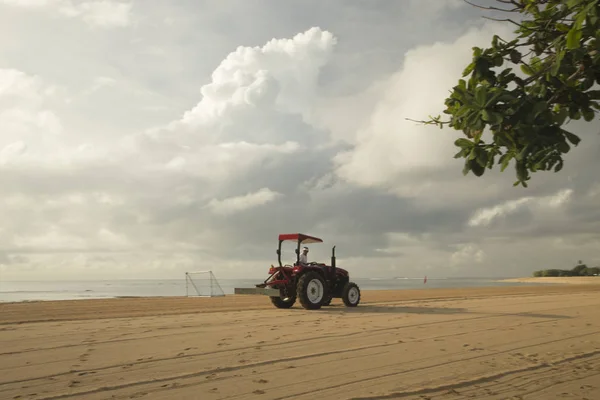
[143, 139]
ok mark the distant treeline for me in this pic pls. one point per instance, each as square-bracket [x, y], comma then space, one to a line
[579, 270]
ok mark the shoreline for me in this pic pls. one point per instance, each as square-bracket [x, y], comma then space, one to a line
[507, 283]
[126, 307]
[500, 282]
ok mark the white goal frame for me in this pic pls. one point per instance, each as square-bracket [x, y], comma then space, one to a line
[214, 284]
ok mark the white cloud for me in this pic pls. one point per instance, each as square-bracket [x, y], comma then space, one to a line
[468, 253]
[248, 201]
[390, 149]
[54, 238]
[281, 76]
[100, 13]
[26, 124]
[486, 216]
[11, 151]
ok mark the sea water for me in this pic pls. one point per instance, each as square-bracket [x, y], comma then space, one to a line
[11, 291]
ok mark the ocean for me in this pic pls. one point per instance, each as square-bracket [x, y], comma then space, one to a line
[18, 291]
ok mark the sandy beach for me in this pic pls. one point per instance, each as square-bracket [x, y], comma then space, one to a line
[571, 280]
[524, 342]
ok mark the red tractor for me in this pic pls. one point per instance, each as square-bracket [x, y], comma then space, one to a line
[313, 284]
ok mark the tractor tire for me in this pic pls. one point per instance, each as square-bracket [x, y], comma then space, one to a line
[351, 294]
[283, 302]
[312, 290]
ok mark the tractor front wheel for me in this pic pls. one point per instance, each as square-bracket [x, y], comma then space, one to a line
[311, 290]
[351, 294]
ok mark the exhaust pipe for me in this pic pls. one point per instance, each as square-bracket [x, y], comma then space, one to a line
[333, 262]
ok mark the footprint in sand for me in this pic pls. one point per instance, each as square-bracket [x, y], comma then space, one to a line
[258, 391]
[262, 381]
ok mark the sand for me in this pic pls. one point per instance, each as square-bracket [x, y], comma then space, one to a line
[525, 342]
[573, 280]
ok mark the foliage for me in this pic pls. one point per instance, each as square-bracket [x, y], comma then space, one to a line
[579, 270]
[557, 48]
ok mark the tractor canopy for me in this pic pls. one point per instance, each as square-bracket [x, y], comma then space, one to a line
[299, 238]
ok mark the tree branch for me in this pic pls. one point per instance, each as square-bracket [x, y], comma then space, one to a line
[490, 7]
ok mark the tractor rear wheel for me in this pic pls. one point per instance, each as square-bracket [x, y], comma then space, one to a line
[351, 294]
[283, 301]
[311, 290]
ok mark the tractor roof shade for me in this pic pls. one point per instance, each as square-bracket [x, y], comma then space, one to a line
[299, 237]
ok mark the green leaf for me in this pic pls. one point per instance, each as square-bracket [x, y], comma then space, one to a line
[482, 157]
[515, 56]
[504, 160]
[469, 69]
[559, 166]
[481, 95]
[574, 38]
[574, 139]
[563, 147]
[557, 62]
[492, 117]
[477, 168]
[464, 143]
[527, 69]
[466, 168]
[498, 61]
[462, 153]
[588, 114]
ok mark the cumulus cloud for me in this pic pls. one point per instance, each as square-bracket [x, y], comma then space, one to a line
[394, 153]
[243, 146]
